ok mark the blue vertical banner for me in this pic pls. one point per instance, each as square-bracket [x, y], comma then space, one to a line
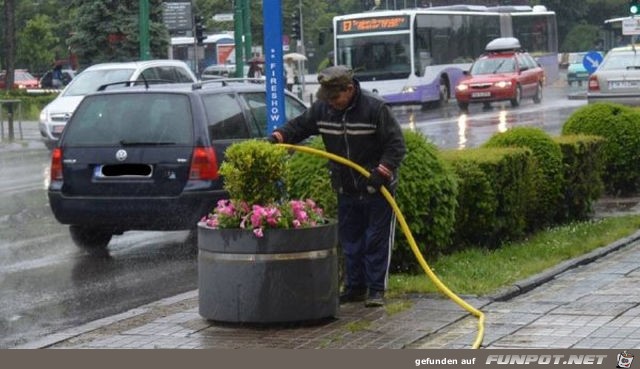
[274, 69]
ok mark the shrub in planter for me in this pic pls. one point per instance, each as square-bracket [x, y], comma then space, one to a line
[620, 126]
[582, 173]
[493, 186]
[548, 180]
[262, 257]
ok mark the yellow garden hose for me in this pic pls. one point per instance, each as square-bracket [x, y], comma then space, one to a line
[407, 232]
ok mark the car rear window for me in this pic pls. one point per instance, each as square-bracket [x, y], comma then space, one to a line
[131, 119]
[621, 60]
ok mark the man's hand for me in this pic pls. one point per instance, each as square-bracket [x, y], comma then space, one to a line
[380, 176]
[276, 137]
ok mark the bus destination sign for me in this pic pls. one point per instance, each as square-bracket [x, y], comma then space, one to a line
[374, 24]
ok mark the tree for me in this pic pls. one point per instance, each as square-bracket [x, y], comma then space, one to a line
[35, 49]
[107, 31]
[9, 41]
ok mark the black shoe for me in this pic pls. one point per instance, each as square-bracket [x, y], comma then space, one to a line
[375, 299]
[353, 295]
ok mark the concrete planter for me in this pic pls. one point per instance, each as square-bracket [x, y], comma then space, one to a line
[288, 275]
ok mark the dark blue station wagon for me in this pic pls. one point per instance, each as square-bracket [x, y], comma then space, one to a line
[147, 158]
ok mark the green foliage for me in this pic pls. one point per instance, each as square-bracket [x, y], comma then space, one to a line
[426, 195]
[620, 126]
[582, 163]
[253, 172]
[108, 31]
[548, 180]
[34, 51]
[309, 179]
[493, 193]
[580, 37]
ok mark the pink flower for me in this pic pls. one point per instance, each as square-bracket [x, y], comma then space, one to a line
[294, 214]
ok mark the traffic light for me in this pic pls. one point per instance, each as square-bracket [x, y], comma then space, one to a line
[634, 7]
[200, 28]
[295, 29]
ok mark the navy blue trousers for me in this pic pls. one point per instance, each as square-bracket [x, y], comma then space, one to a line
[366, 231]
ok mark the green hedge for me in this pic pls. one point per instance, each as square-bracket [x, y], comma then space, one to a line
[548, 180]
[494, 184]
[426, 195]
[582, 161]
[620, 126]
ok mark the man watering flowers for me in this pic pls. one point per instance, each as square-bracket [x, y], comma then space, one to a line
[360, 127]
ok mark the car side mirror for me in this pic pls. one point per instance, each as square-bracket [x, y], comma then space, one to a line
[466, 72]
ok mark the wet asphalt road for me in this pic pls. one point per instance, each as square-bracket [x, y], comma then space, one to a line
[47, 284]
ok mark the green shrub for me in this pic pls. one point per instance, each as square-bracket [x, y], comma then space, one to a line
[493, 186]
[253, 171]
[426, 196]
[309, 179]
[620, 126]
[548, 180]
[582, 175]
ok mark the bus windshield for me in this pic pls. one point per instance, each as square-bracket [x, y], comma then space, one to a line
[376, 57]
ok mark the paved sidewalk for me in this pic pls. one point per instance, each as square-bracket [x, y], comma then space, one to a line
[589, 302]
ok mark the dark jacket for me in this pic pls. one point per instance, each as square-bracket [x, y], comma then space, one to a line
[366, 133]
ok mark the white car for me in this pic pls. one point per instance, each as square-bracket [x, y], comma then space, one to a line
[617, 79]
[55, 115]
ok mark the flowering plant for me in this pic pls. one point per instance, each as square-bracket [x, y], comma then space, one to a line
[255, 175]
[294, 214]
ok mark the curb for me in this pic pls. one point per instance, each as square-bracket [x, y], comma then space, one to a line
[69, 333]
[528, 284]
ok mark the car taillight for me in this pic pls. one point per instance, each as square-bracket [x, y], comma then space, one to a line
[593, 84]
[204, 165]
[56, 164]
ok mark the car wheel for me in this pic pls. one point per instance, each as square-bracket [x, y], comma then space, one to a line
[464, 106]
[537, 98]
[518, 97]
[90, 238]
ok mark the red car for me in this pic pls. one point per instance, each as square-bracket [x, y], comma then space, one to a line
[22, 80]
[504, 72]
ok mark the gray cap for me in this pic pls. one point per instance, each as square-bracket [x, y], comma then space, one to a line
[333, 80]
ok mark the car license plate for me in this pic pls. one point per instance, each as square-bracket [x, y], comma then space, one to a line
[58, 129]
[481, 94]
[623, 84]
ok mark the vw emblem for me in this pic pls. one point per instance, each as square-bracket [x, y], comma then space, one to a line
[121, 155]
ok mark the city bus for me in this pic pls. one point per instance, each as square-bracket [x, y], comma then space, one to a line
[417, 56]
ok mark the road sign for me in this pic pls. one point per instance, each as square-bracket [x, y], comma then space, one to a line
[177, 15]
[591, 61]
[223, 17]
[631, 26]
